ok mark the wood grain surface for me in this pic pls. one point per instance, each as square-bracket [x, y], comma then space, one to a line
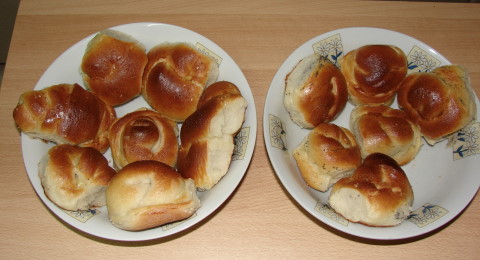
[260, 220]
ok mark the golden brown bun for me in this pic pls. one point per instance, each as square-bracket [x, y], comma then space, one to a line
[207, 139]
[175, 77]
[112, 67]
[315, 92]
[377, 194]
[327, 154]
[75, 178]
[381, 129]
[440, 102]
[146, 194]
[217, 89]
[65, 114]
[373, 73]
[143, 135]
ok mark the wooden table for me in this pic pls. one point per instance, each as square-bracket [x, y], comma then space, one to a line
[260, 220]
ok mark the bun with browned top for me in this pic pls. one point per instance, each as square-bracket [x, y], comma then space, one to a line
[75, 178]
[143, 135]
[374, 73]
[112, 67]
[440, 102]
[385, 130]
[315, 92]
[327, 154]
[377, 194]
[65, 114]
[175, 77]
[147, 194]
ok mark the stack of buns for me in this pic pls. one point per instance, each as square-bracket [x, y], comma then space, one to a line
[156, 181]
[380, 138]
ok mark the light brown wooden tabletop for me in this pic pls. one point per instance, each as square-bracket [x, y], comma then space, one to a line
[260, 220]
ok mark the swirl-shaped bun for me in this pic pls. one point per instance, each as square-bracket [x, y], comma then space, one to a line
[75, 178]
[147, 194]
[440, 102]
[315, 92]
[112, 67]
[175, 77]
[377, 194]
[327, 154]
[381, 129]
[374, 73]
[143, 135]
[65, 114]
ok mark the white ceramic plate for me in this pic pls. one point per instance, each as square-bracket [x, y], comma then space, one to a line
[65, 69]
[444, 179]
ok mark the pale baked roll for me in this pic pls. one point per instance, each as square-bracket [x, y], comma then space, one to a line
[315, 92]
[327, 154]
[112, 66]
[377, 194]
[382, 129]
[75, 178]
[374, 73]
[440, 102]
[218, 88]
[143, 135]
[147, 194]
[207, 139]
[65, 114]
[174, 79]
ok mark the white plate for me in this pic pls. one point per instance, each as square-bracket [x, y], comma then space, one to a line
[65, 69]
[443, 182]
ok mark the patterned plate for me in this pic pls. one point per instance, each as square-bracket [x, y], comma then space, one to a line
[443, 177]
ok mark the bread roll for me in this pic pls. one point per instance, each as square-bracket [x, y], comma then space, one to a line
[218, 88]
[75, 178]
[377, 194]
[112, 67]
[207, 139]
[143, 135]
[440, 102]
[327, 154]
[147, 194]
[65, 114]
[315, 92]
[385, 130]
[373, 73]
[175, 77]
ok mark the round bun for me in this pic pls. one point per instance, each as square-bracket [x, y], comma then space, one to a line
[174, 79]
[315, 92]
[143, 135]
[75, 178]
[381, 129]
[374, 73]
[327, 154]
[377, 194]
[112, 67]
[440, 102]
[216, 89]
[65, 114]
[147, 194]
[207, 139]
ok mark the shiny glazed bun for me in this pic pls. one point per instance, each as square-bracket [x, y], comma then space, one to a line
[147, 194]
[75, 178]
[382, 129]
[112, 67]
[440, 102]
[175, 77]
[327, 154]
[65, 114]
[315, 92]
[143, 135]
[377, 194]
[374, 73]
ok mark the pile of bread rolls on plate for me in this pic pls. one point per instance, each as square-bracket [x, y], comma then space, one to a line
[362, 165]
[161, 155]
